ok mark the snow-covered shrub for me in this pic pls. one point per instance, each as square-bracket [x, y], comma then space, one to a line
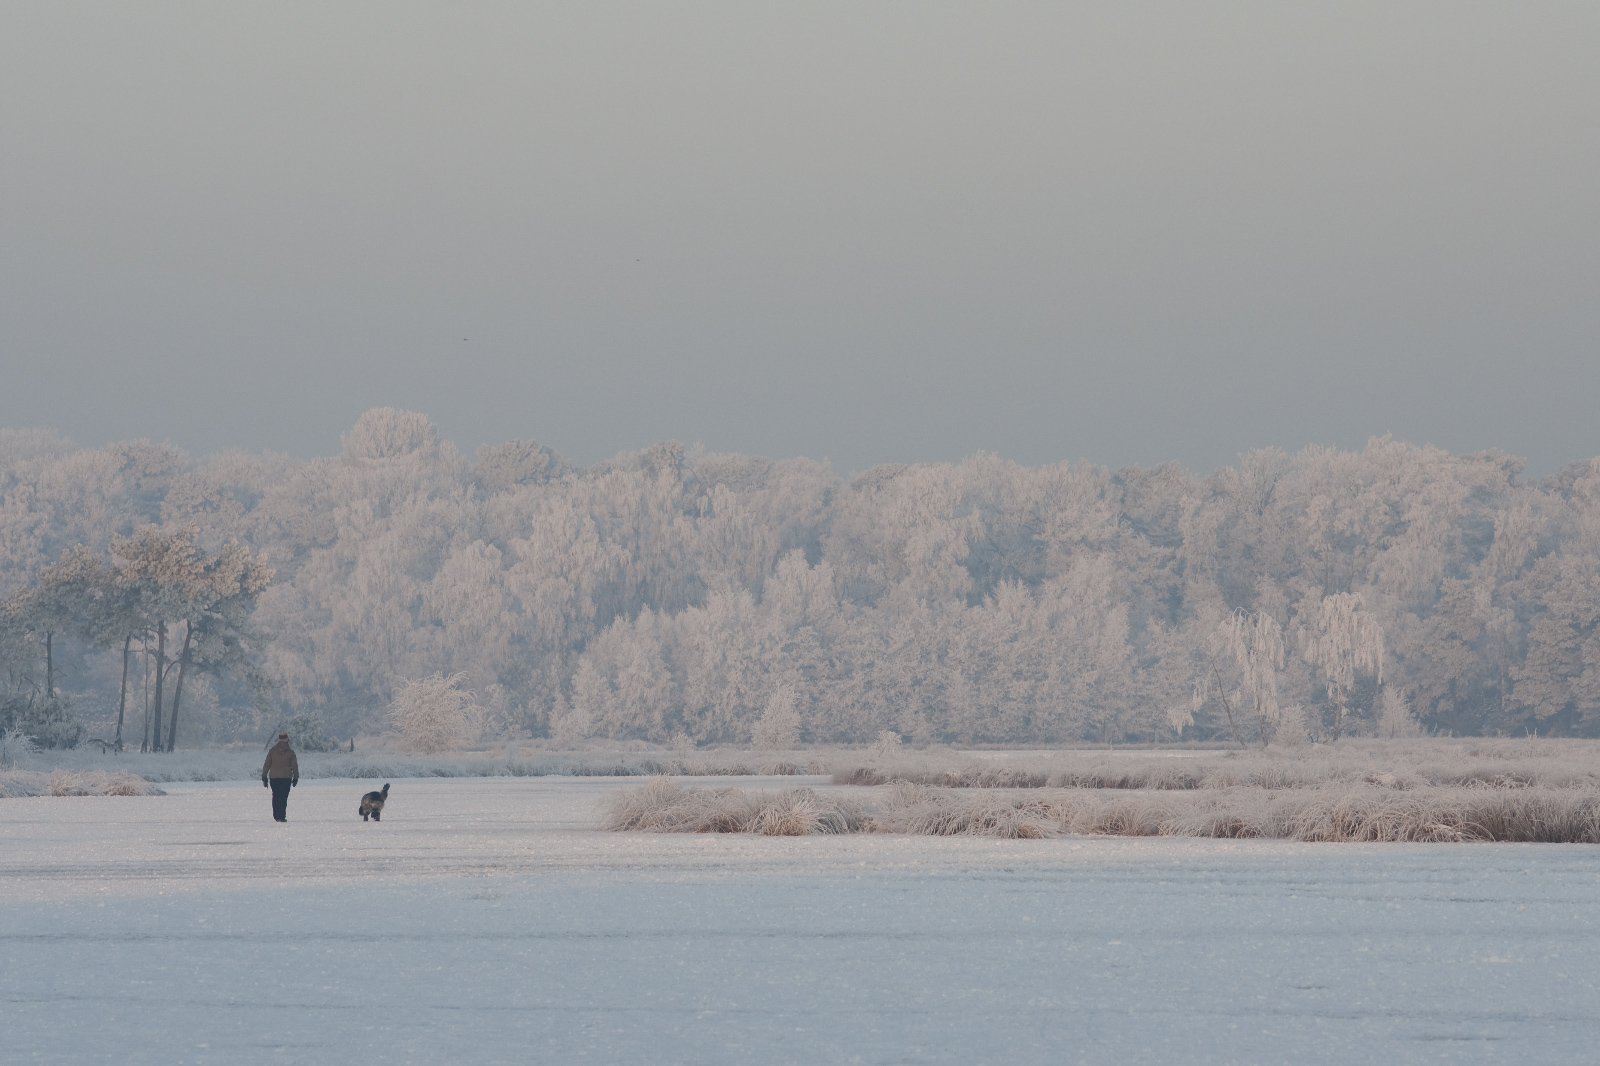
[434, 714]
[48, 723]
[15, 745]
[1293, 728]
[887, 744]
[308, 732]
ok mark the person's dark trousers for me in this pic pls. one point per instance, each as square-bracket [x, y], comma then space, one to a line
[280, 799]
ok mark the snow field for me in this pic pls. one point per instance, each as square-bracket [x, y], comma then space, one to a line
[486, 921]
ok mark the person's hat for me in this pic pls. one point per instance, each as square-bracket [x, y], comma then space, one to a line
[283, 736]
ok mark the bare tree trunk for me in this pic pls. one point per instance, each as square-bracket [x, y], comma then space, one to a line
[177, 690]
[1222, 695]
[161, 674]
[49, 668]
[122, 699]
[144, 656]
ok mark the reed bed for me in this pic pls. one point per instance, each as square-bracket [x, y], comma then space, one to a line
[18, 784]
[1364, 812]
[663, 806]
[1370, 814]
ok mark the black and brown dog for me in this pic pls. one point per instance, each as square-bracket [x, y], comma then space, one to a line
[372, 804]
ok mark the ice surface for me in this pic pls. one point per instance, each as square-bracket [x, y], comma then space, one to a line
[483, 921]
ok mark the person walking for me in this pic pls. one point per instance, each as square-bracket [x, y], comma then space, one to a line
[280, 772]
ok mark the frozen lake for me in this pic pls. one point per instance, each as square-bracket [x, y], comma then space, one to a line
[484, 922]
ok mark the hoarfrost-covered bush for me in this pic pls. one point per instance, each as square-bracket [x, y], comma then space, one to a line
[15, 745]
[434, 714]
[308, 732]
[887, 744]
[47, 723]
[1292, 727]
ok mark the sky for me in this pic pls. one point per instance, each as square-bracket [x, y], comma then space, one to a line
[865, 232]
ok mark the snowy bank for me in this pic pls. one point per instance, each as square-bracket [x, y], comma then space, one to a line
[1410, 764]
[216, 765]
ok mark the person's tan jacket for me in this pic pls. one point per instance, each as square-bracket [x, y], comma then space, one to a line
[281, 762]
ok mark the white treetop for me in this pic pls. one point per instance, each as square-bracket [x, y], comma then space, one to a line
[677, 591]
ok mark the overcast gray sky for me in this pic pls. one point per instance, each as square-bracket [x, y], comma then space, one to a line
[866, 232]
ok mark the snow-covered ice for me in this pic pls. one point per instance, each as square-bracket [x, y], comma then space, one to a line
[483, 921]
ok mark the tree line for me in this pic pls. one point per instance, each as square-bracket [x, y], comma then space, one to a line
[151, 582]
[674, 592]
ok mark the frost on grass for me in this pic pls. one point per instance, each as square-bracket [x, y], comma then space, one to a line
[661, 805]
[1367, 811]
[1360, 813]
[1421, 790]
[16, 784]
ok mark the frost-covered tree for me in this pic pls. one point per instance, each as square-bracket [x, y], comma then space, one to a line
[1342, 641]
[163, 578]
[1256, 643]
[672, 590]
[1395, 720]
[435, 714]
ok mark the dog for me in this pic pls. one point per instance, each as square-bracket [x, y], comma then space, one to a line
[372, 804]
